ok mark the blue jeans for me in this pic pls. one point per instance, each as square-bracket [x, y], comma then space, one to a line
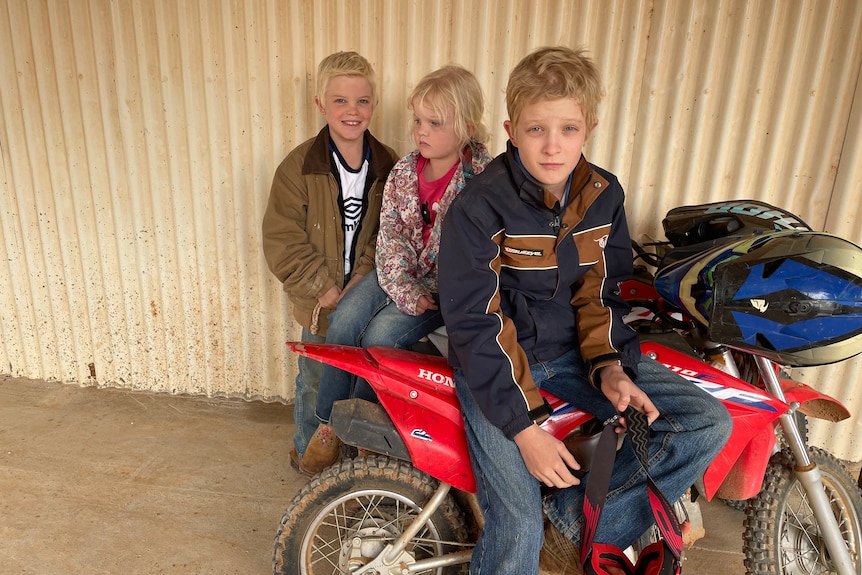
[307, 381]
[366, 317]
[683, 441]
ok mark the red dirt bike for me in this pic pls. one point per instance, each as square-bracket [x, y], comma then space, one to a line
[411, 508]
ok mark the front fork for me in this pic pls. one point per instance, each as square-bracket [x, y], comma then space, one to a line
[808, 474]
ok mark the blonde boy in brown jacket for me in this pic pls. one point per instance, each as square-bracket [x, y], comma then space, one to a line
[321, 221]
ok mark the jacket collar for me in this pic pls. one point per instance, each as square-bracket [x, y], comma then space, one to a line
[478, 159]
[532, 192]
[319, 160]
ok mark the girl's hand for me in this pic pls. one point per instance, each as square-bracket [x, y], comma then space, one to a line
[425, 303]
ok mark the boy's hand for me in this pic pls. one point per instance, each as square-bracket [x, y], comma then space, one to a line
[546, 457]
[622, 392]
[330, 299]
[424, 303]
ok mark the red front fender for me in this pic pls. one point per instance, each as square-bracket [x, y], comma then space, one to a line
[813, 403]
[743, 479]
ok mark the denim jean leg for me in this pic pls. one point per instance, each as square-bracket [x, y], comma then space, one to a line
[509, 497]
[307, 382]
[391, 328]
[346, 323]
[691, 430]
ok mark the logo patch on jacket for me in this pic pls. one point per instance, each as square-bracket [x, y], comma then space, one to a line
[524, 252]
[591, 244]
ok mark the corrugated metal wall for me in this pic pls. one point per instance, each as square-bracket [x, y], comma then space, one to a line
[139, 139]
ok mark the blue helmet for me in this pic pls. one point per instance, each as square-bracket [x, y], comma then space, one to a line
[794, 297]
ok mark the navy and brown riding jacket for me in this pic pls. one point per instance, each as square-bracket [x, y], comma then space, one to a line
[524, 280]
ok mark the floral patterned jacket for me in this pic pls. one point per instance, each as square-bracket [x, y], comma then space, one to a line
[407, 269]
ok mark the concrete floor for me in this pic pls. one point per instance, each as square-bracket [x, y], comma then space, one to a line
[102, 481]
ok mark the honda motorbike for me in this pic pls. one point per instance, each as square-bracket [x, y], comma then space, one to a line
[739, 290]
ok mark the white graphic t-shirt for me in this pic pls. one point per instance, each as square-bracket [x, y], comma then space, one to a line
[352, 192]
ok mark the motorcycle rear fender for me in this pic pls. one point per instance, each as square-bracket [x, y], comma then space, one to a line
[355, 360]
[417, 393]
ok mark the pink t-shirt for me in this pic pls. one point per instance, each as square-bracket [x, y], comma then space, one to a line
[430, 194]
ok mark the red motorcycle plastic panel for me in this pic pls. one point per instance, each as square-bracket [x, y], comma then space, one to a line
[417, 392]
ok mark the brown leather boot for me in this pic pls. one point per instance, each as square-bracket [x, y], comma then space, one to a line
[294, 462]
[322, 451]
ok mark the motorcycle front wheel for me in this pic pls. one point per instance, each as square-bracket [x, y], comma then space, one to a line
[782, 535]
[345, 516]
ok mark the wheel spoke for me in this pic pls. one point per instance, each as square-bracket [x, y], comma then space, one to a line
[384, 516]
[328, 556]
[326, 550]
[803, 546]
